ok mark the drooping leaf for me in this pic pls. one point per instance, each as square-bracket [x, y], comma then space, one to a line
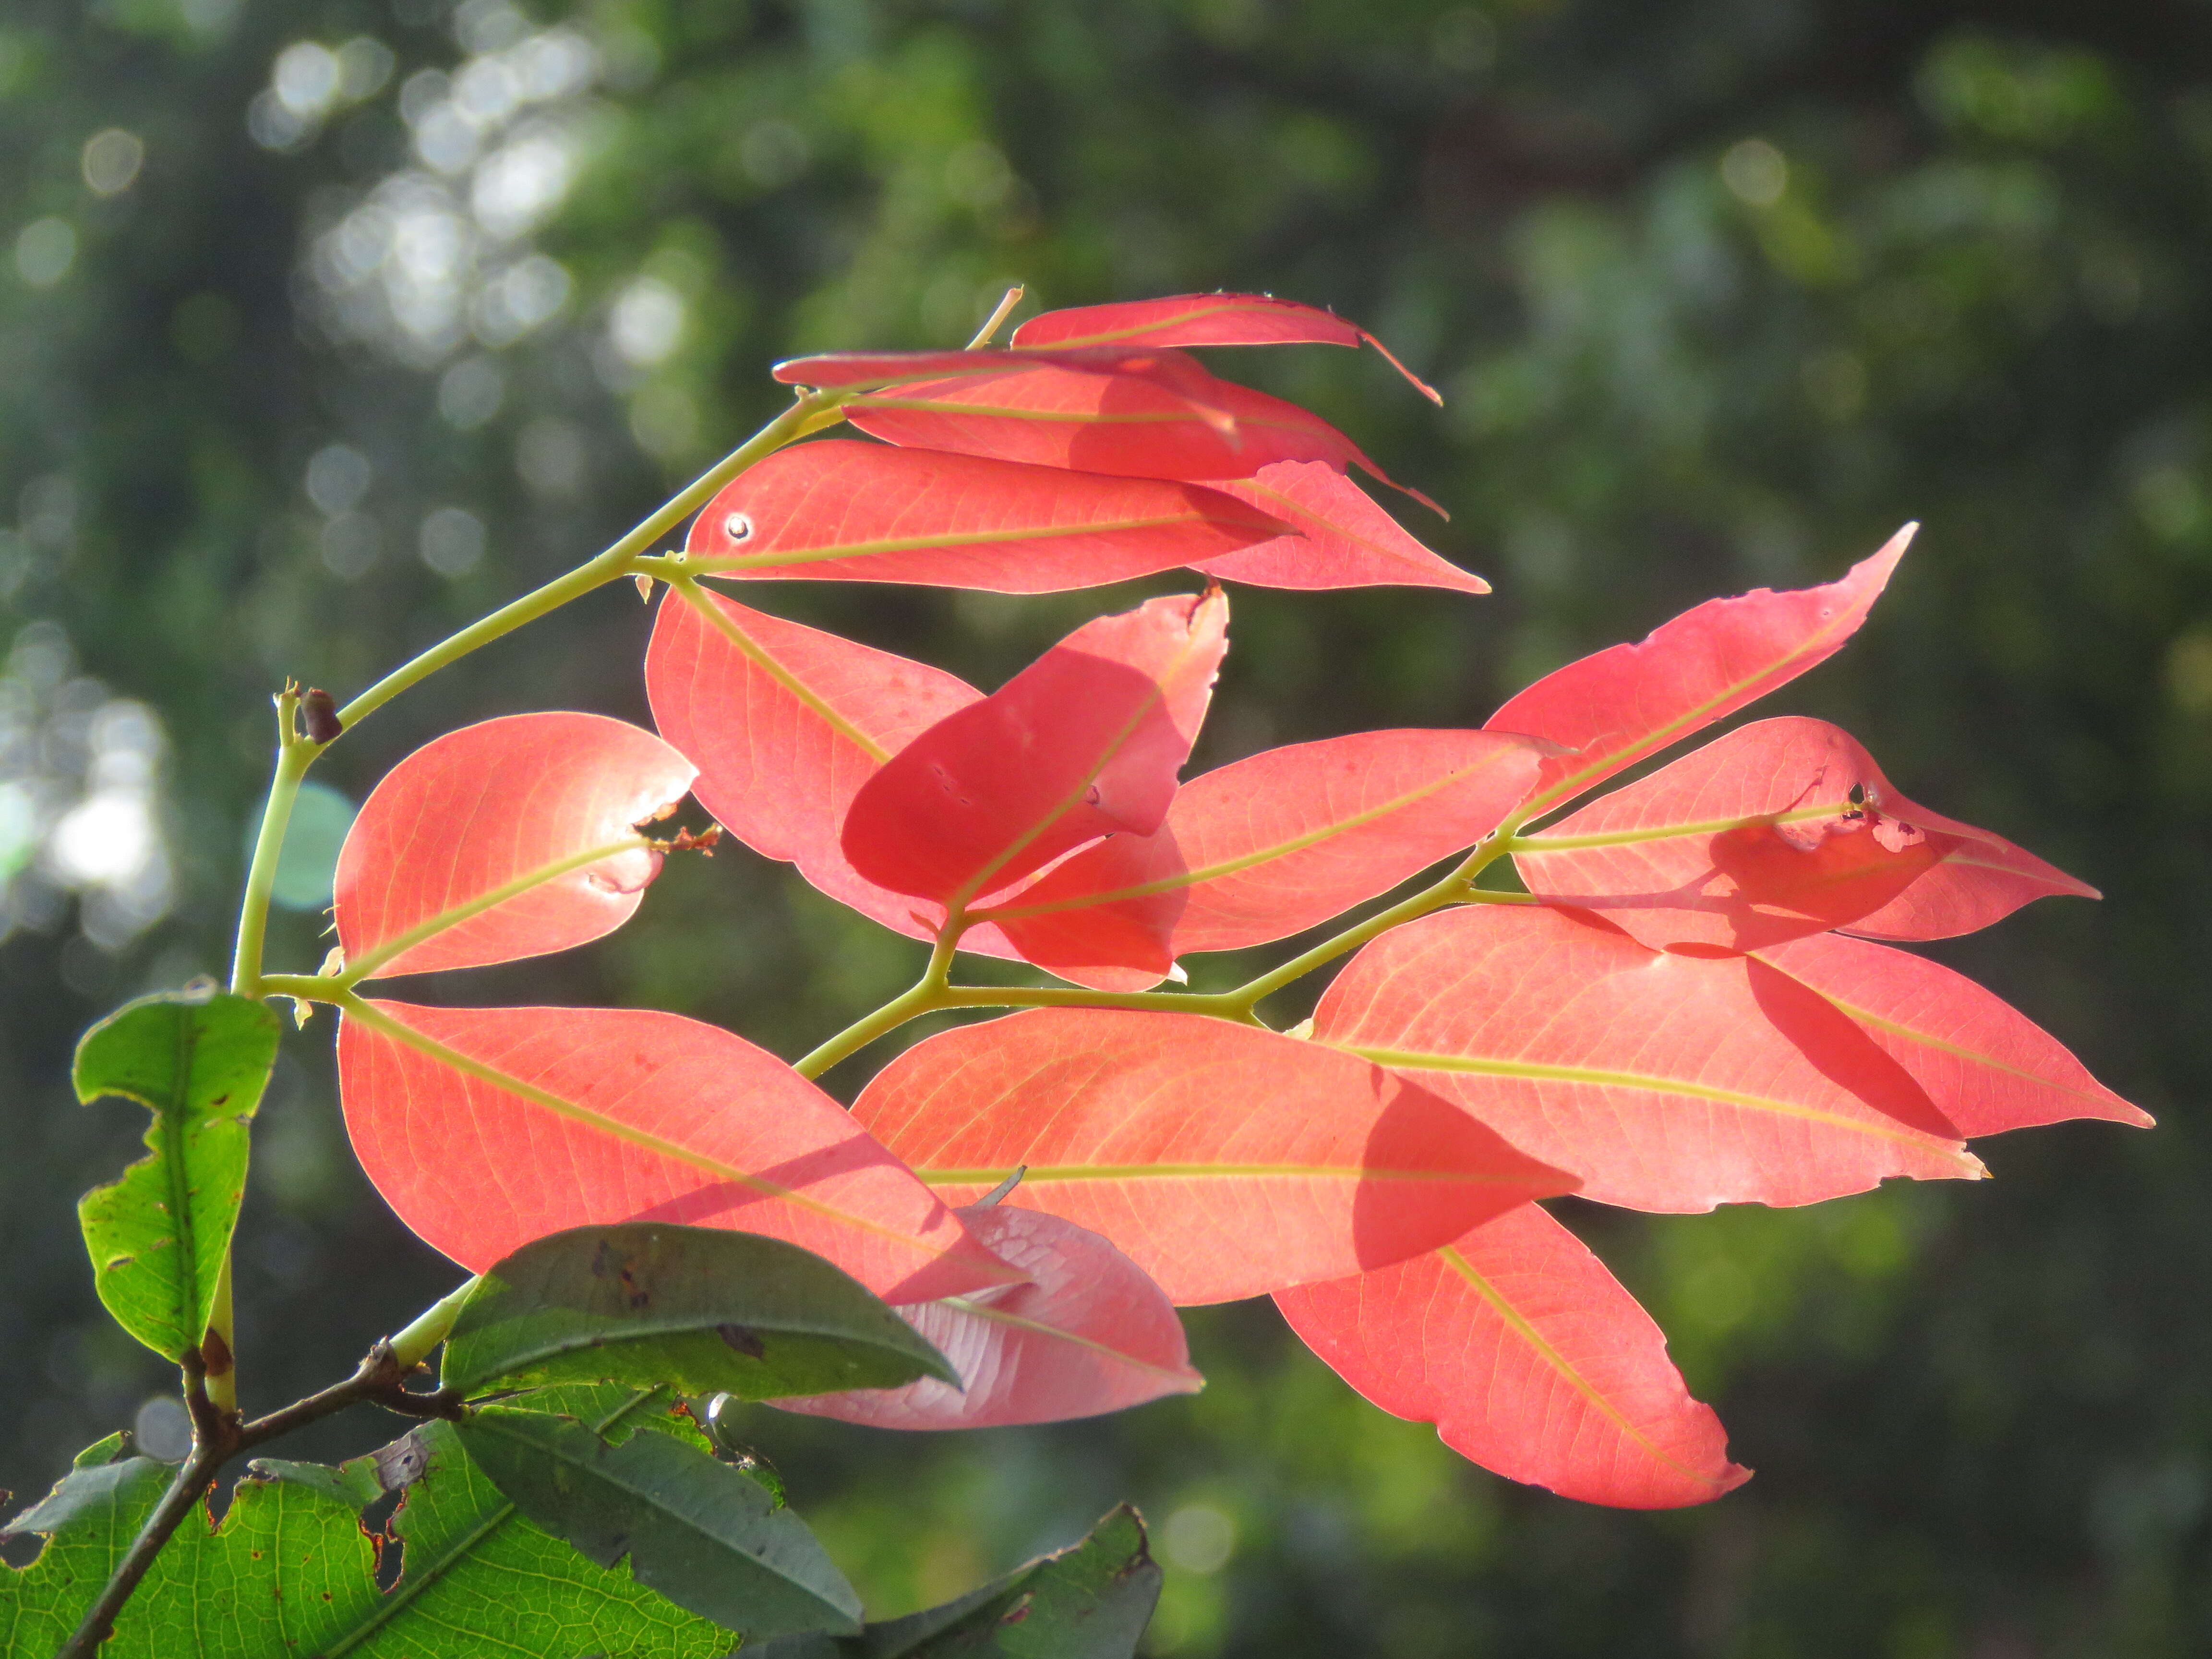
[291, 1571]
[1203, 319]
[1091, 1600]
[1631, 700]
[1087, 741]
[708, 1536]
[851, 512]
[488, 1127]
[1984, 1064]
[1185, 424]
[1265, 847]
[701, 1310]
[519, 833]
[1088, 1334]
[1343, 539]
[1226, 1161]
[1530, 1359]
[198, 1062]
[1777, 830]
[1666, 1082]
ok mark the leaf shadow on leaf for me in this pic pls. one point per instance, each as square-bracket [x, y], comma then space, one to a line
[1841, 1051]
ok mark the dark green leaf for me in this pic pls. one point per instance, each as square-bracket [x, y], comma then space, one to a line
[704, 1535]
[700, 1308]
[290, 1572]
[1091, 1601]
[198, 1062]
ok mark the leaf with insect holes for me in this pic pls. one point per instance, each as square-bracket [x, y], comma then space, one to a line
[1087, 741]
[485, 1128]
[160, 1235]
[1530, 1359]
[1267, 847]
[700, 1310]
[839, 511]
[1987, 1067]
[1342, 538]
[1780, 829]
[1086, 1333]
[1202, 319]
[1226, 1161]
[1666, 1082]
[1629, 700]
[1157, 416]
[508, 838]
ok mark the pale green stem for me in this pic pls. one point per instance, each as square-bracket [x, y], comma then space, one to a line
[222, 1386]
[1011, 298]
[294, 755]
[918, 999]
[414, 1345]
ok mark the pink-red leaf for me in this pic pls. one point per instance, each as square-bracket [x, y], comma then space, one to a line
[1530, 1359]
[1084, 742]
[1780, 829]
[849, 371]
[1987, 1067]
[1631, 700]
[1265, 847]
[487, 1127]
[1203, 319]
[1227, 1161]
[515, 806]
[1088, 1334]
[1666, 1082]
[1342, 538]
[840, 510]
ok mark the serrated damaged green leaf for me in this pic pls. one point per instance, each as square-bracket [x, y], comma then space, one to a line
[1091, 1601]
[703, 1309]
[291, 1573]
[157, 1237]
[704, 1535]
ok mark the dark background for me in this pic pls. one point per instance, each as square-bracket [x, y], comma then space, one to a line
[1718, 293]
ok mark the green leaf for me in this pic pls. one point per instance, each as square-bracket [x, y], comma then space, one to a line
[291, 1571]
[198, 1062]
[706, 1535]
[1091, 1601]
[704, 1309]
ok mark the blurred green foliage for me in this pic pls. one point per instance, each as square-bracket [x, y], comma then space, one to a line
[325, 327]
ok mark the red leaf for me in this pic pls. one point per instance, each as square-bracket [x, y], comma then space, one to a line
[1178, 421]
[1342, 538]
[487, 808]
[1780, 829]
[1203, 319]
[1227, 1161]
[1088, 1334]
[487, 1127]
[1531, 1359]
[1985, 1065]
[1632, 701]
[851, 512]
[1265, 847]
[1084, 742]
[848, 371]
[1665, 1082]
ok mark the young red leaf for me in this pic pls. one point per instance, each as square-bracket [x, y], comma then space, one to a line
[487, 1127]
[862, 371]
[851, 512]
[1204, 319]
[1631, 700]
[1986, 1065]
[1084, 742]
[1227, 1161]
[1665, 1082]
[1342, 538]
[508, 838]
[1265, 847]
[1780, 829]
[1088, 1334]
[1184, 424]
[1530, 1359]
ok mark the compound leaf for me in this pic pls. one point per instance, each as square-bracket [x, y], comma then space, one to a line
[198, 1062]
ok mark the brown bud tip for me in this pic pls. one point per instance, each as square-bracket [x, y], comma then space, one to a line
[215, 1354]
[318, 716]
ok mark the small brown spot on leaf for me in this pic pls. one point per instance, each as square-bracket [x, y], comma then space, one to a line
[742, 1340]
